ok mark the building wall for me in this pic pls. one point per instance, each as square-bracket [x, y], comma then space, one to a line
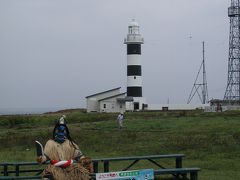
[92, 105]
[141, 101]
[129, 106]
[92, 102]
[112, 105]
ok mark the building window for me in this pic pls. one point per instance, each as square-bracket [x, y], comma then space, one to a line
[104, 105]
[134, 77]
[120, 106]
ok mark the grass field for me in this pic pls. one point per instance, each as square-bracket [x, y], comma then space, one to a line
[210, 141]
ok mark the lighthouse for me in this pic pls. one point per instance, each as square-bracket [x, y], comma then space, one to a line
[134, 68]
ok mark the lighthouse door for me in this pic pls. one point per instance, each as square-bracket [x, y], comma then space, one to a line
[136, 106]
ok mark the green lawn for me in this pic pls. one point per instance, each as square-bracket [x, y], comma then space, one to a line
[210, 141]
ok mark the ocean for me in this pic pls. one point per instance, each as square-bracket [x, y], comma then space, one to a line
[15, 111]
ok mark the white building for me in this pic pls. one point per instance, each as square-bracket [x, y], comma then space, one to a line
[107, 101]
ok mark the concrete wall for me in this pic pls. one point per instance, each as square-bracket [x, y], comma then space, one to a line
[176, 106]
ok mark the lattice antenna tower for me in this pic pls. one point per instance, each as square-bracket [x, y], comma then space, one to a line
[200, 88]
[232, 93]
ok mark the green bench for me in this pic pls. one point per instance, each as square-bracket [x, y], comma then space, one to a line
[136, 159]
[106, 162]
[19, 177]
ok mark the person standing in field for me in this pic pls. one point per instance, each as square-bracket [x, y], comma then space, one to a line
[120, 120]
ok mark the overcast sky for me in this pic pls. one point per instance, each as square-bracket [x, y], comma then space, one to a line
[54, 53]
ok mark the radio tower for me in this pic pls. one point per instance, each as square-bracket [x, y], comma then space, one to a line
[232, 94]
[203, 95]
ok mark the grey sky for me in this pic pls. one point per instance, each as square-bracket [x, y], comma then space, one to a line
[53, 53]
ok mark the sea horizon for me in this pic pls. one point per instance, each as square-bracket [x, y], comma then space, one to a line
[37, 110]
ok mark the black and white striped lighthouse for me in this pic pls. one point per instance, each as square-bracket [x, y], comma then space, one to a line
[134, 69]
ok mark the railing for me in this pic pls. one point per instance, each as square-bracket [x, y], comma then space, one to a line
[134, 38]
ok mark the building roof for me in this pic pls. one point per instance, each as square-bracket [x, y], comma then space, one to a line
[103, 92]
[112, 96]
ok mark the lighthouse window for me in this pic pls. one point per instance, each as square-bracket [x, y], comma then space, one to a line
[104, 105]
[134, 77]
[130, 30]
